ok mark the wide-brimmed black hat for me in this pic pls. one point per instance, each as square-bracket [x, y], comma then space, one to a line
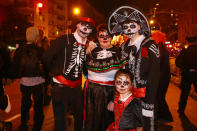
[127, 13]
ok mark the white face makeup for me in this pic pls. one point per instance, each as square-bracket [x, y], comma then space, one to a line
[123, 84]
[84, 29]
[104, 39]
[131, 29]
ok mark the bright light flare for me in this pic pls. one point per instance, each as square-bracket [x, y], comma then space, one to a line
[40, 5]
[170, 46]
[152, 22]
[76, 11]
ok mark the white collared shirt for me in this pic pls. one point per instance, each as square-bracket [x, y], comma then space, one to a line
[137, 42]
[124, 99]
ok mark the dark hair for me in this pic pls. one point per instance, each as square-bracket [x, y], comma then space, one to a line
[102, 28]
[125, 72]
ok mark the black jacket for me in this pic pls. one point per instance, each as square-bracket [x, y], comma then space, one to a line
[131, 116]
[19, 70]
[5, 62]
[146, 70]
[187, 58]
[62, 55]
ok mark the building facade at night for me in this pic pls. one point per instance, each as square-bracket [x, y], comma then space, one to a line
[54, 17]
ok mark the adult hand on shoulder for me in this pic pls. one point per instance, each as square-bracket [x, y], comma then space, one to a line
[91, 46]
[110, 106]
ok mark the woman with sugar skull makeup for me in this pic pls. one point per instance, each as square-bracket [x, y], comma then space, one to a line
[102, 64]
[65, 60]
[143, 55]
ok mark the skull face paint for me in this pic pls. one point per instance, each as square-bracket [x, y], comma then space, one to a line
[84, 29]
[104, 39]
[131, 29]
[123, 84]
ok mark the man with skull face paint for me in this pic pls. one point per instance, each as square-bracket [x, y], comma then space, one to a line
[65, 60]
[143, 55]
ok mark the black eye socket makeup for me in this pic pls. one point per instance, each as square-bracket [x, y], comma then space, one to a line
[125, 27]
[125, 83]
[87, 25]
[104, 36]
[132, 26]
[118, 82]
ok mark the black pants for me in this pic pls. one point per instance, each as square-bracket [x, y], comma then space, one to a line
[37, 93]
[62, 98]
[98, 118]
[163, 109]
[1, 87]
[188, 78]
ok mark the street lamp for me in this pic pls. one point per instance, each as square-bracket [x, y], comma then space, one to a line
[76, 11]
[152, 22]
[39, 6]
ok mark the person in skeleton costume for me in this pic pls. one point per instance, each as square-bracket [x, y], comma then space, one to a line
[65, 60]
[143, 57]
[102, 64]
[127, 109]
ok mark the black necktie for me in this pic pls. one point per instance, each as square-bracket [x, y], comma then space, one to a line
[133, 48]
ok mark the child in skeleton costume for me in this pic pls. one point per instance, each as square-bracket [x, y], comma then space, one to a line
[127, 109]
[102, 64]
[143, 57]
[65, 60]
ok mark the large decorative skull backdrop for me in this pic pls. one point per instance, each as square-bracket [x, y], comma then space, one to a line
[127, 13]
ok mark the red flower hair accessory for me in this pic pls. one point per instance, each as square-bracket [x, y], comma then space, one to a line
[158, 37]
[144, 52]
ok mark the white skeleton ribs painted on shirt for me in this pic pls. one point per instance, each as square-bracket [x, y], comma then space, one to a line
[76, 60]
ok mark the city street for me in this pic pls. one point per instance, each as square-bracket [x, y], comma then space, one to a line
[63, 30]
[188, 123]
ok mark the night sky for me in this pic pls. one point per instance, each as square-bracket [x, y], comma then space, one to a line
[105, 6]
